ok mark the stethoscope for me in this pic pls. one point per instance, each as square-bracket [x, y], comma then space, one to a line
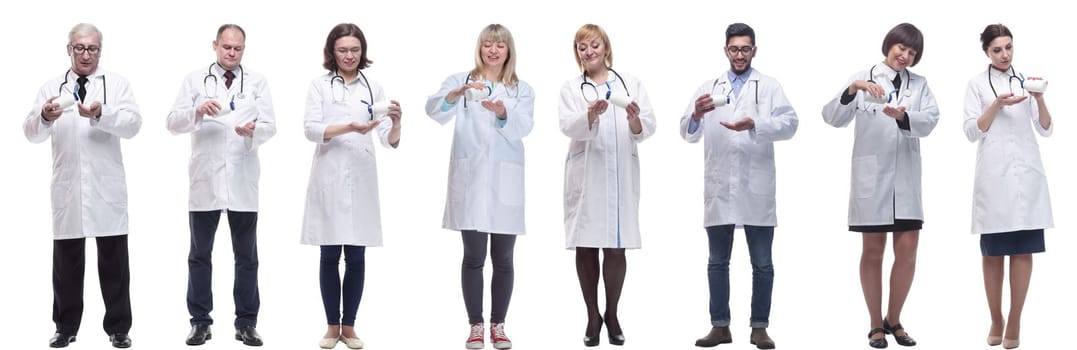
[209, 74]
[890, 96]
[1013, 75]
[75, 90]
[344, 90]
[490, 90]
[728, 95]
[594, 89]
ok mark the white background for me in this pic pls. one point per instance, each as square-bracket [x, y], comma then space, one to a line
[412, 296]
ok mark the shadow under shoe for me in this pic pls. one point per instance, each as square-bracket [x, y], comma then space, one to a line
[717, 335]
[903, 340]
[760, 339]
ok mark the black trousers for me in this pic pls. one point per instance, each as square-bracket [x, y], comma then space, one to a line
[68, 273]
[200, 266]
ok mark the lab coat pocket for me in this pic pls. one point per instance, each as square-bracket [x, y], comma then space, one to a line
[574, 177]
[61, 192]
[459, 174]
[865, 169]
[113, 190]
[511, 184]
[635, 176]
[760, 177]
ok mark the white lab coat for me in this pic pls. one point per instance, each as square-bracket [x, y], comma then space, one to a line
[89, 190]
[486, 164]
[342, 205]
[885, 180]
[739, 176]
[602, 180]
[1010, 193]
[224, 167]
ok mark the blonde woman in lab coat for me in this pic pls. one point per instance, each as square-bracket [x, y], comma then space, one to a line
[342, 211]
[893, 109]
[485, 201]
[1011, 205]
[602, 173]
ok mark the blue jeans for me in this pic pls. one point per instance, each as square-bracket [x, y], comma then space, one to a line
[760, 241]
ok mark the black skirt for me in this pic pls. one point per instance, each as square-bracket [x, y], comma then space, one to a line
[899, 225]
[1012, 243]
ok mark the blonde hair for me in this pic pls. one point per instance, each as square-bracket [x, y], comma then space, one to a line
[591, 31]
[497, 33]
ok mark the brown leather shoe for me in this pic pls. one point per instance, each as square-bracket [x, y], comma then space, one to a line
[718, 335]
[760, 339]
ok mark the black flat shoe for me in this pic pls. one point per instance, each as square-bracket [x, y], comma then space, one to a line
[877, 343]
[120, 340]
[249, 336]
[61, 340]
[199, 334]
[903, 340]
[589, 340]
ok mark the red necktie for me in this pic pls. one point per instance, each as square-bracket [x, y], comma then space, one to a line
[228, 79]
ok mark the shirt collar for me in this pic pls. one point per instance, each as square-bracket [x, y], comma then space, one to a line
[743, 77]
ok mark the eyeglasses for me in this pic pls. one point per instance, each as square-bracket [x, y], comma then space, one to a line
[733, 50]
[344, 50]
[79, 49]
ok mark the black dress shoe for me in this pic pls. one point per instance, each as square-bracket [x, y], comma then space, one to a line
[877, 343]
[903, 340]
[592, 340]
[199, 334]
[249, 336]
[120, 340]
[717, 335]
[61, 340]
[615, 339]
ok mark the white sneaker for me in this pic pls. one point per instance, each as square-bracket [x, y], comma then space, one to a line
[474, 340]
[498, 338]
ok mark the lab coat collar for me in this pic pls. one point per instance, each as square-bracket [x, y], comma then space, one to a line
[358, 79]
[884, 71]
[1003, 75]
[218, 70]
[72, 76]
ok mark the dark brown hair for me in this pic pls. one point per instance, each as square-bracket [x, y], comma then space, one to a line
[993, 31]
[340, 31]
[905, 34]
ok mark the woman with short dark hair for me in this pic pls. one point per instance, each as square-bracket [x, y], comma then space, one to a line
[893, 109]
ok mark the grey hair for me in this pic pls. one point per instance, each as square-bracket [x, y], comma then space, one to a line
[82, 30]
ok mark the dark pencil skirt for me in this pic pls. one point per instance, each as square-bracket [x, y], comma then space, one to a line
[1012, 243]
[899, 225]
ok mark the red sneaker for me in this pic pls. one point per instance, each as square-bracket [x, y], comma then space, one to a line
[474, 341]
[498, 338]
